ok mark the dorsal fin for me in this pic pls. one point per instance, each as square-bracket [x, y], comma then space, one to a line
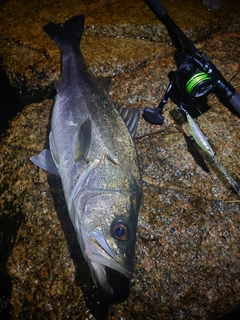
[130, 117]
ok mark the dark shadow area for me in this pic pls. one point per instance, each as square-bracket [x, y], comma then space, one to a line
[179, 117]
[10, 101]
[93, 298]
[233, 315]
[5, 295]
[198, 158]
[9, 226]
[39, 95]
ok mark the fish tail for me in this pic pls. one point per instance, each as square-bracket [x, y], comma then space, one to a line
[69, 33]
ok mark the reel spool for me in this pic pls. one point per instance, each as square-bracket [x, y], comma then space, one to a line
[190, 78]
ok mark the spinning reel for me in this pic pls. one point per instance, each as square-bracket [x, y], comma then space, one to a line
[196, 76]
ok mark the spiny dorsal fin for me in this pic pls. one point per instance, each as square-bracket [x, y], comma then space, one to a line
[130, 117]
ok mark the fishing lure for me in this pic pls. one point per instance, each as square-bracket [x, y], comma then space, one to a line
[203, 143]
[198, 136]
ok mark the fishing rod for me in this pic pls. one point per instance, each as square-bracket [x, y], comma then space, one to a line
[196, 76]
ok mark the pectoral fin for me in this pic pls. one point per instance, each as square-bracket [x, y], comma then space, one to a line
[45, 161]
[83, 140]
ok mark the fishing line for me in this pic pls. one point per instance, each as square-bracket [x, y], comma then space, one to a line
[203, 143]
[229, 150]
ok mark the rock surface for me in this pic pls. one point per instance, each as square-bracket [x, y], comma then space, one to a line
[187, 253]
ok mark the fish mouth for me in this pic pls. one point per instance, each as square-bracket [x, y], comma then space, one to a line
[119, 284]
[113, 284]
[110, 274]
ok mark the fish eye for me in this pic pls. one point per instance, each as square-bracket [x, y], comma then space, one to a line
[120, 231]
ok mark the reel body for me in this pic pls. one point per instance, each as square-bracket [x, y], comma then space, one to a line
[191, 78]
[196, 76]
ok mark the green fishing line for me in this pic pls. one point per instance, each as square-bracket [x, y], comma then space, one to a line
[195, 80]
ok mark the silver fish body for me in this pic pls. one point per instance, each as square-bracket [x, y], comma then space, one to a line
[93, 152]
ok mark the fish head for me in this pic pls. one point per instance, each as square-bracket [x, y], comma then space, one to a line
[108, 236]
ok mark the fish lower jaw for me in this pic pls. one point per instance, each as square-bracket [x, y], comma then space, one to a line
[99, 276]
[114, 284]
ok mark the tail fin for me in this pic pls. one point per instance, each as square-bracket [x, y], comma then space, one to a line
[69, 33]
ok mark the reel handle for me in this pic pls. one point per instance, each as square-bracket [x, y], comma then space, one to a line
[153, 116]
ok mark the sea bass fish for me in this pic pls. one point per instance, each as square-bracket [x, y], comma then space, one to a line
[92, 150]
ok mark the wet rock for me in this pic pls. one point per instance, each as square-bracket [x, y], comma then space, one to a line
[187, 252]
[30, 59]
